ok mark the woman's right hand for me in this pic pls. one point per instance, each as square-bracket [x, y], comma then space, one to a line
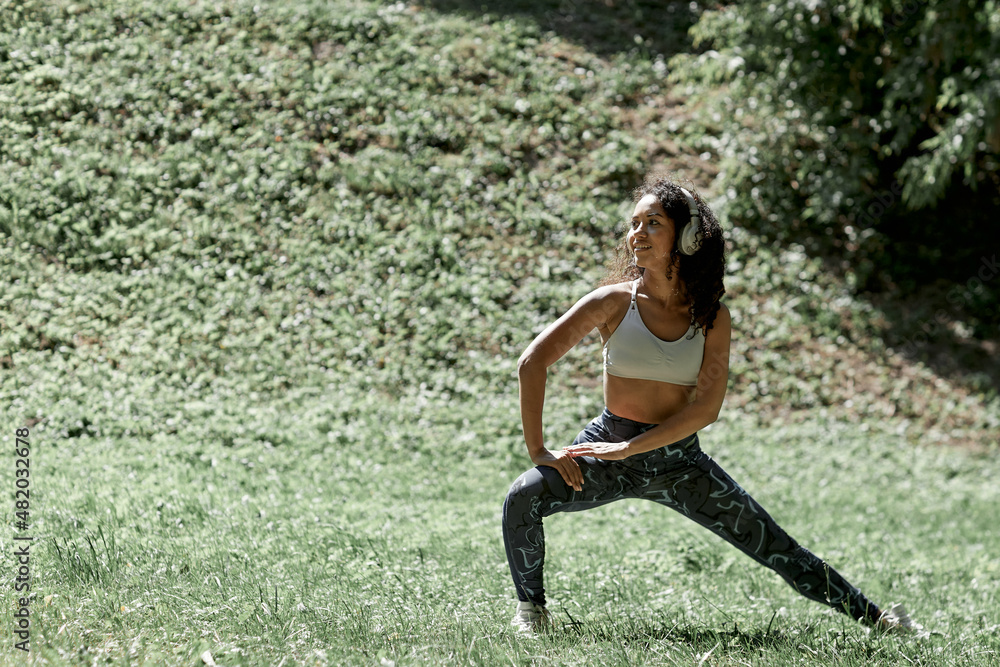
[565, 464]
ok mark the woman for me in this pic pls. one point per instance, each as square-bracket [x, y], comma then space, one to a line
[666, 363]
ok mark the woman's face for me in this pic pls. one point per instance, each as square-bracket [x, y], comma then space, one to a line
[651, 237]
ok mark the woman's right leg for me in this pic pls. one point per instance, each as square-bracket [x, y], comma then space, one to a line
[539, 493]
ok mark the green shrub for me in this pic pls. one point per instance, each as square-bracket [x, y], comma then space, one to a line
[867, 131]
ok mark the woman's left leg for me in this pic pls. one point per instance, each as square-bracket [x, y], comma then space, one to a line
[706, 494]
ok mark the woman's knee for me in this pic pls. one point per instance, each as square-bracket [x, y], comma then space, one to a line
[529, 487]
[530, 483]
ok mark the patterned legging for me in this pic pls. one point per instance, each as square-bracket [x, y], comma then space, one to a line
[681, 477]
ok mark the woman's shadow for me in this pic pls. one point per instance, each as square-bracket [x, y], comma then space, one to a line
[704, 640]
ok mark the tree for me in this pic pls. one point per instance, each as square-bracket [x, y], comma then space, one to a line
[869, 130]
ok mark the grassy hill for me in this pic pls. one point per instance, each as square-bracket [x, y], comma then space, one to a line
[267, 270]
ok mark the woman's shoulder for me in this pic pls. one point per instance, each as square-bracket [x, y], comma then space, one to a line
[607, 302]
[722, 322]
[723, 312]
[610, 295]
[624, 287]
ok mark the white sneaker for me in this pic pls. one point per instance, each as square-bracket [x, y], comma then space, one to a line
[531, 618]
[895, 621]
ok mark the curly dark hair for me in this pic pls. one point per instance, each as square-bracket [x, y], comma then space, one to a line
[701, 273]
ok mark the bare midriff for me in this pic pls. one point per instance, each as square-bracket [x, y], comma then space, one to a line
[647, 401]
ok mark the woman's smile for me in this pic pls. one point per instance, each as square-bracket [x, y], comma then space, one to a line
[651, 229]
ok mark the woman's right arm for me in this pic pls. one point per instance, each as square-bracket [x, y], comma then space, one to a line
[590, 312]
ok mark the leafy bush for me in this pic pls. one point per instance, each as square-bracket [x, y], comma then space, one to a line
[229, 201]
[869, 131]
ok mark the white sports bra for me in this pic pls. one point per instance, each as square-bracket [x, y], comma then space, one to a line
[633, 351]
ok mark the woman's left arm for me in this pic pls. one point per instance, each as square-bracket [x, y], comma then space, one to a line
[713, 378]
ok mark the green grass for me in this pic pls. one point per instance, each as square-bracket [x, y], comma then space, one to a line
[384, 549]
[267, 269]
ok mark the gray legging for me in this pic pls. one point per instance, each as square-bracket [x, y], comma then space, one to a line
[681, 477]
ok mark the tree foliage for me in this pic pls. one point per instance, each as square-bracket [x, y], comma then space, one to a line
[870, 129]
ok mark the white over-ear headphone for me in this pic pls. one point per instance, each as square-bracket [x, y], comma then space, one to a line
[691, 235]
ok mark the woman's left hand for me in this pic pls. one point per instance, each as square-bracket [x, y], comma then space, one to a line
[609, 451]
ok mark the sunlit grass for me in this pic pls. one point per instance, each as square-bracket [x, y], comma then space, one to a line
[366, 553]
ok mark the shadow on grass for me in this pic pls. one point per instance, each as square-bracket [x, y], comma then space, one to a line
[604, 28]
[696, 637]
[703, 639]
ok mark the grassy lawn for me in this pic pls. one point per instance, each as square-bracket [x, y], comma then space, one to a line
[387, 548]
